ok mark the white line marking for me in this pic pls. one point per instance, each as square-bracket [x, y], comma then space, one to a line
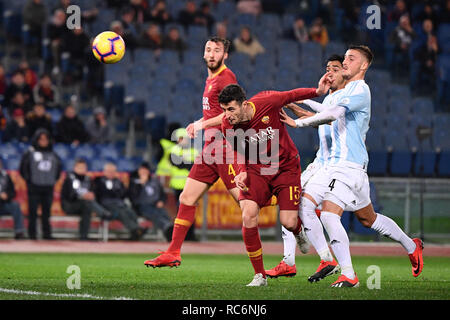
[61, 295]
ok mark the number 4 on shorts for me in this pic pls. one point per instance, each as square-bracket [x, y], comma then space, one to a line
[331, 185]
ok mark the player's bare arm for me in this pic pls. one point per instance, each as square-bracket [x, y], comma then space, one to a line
[299, 111]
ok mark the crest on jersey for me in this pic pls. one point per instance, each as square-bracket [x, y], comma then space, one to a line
[210, 87]
[265, 119]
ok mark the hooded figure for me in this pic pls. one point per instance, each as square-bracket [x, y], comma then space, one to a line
[40, 167]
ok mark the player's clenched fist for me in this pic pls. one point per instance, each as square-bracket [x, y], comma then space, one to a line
[240, 181]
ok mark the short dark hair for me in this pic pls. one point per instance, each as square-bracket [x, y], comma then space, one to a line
[80, 160]
[365, 50]
[225, 42]
[232, 92]
[336, 57]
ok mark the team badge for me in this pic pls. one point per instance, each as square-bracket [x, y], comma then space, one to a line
[265, 119]
[210, 87]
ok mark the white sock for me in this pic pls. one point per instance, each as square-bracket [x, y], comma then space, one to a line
[387, 227]
[314, 230]
[339, 242]
[290, 244]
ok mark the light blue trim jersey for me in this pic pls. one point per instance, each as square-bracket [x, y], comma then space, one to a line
[324, 130]
[348, 133]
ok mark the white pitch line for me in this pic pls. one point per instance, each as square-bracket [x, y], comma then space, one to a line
[61, 295]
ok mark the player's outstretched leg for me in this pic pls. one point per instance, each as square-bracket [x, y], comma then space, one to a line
[286, 268]
[314, 231]
[341, 247]
[252, 241]
[185, 218]
[387, 227]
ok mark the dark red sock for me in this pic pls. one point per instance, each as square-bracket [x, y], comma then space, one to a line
[185, 218]
[298, 227]
[254, 248]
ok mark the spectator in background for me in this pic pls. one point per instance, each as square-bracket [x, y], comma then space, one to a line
[40, 167]
[159, 13]
[141, 11]
[78, 198]
[111, 193]
[151, 38]
[76, 44]
[18, 84]
[130, 40]
[7, 205]
[402, 37]
[222, 32]
[3, 82]
[46, 92]
[70, 129]
[100, 131]
[18, 102]
[28, 73]
[428, 28]
[127, 20]
[248, 44]
[148, 198]
[17, 130]
[204, 16]
[298, 31]
[318, 32]
[249, 6]
[34, 14]
[445, 13]
[38, 118]
[187, 16]
[62, 5]
[173, 41]
[3, 120]
[427, 55]
[428, 14]
[56, 31]
[399, 10]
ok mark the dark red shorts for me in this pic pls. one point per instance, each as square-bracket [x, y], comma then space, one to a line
[209, 173]
[285, 185]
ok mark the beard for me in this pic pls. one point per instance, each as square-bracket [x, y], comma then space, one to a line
[214, 67]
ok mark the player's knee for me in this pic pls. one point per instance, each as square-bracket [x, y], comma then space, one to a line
[365, 222]
[186, 199]
[289, 222]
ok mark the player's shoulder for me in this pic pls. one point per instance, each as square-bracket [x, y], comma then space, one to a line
[358, 87]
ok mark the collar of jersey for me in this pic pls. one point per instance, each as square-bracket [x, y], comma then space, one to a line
[218, 71]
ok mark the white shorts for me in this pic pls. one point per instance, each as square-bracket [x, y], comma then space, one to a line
[314, 181]
[347, 187]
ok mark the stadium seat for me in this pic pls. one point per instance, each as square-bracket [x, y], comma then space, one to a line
[96, 165]
[85, 151]
[444, 164]
[9, 150]
[441, 140]
[125, 165]
[428, 160]
[63, 151]
[375, 140]
[12, 163]
[401, 162]
[378, 163]
[107, 152]
[68, 165]
[422, 107]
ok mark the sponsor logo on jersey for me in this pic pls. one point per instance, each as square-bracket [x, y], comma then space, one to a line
[206, 104]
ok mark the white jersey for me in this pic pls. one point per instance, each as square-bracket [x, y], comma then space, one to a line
[324, 130]
[348, 133]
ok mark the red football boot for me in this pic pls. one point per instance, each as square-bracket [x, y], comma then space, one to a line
[282, 270]
[325, 269]
[344, 282]
[166, 259]
[416, 258]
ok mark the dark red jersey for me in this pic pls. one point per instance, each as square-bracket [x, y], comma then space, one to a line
[265, 131]
[213, 86]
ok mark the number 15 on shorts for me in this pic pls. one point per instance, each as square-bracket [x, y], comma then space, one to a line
[294, 194]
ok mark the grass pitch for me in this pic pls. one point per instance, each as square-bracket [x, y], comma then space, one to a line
[214, 277]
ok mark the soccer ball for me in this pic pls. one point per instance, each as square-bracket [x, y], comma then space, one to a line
[108, 47]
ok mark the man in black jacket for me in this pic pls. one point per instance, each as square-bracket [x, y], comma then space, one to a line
[148, 198]
[40, 167]
[78, 198]
[111, 193]
[7, 205]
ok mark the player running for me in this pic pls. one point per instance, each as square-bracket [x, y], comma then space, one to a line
[256, 124]
[205, 171]
[346, 178]
[311, 189]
